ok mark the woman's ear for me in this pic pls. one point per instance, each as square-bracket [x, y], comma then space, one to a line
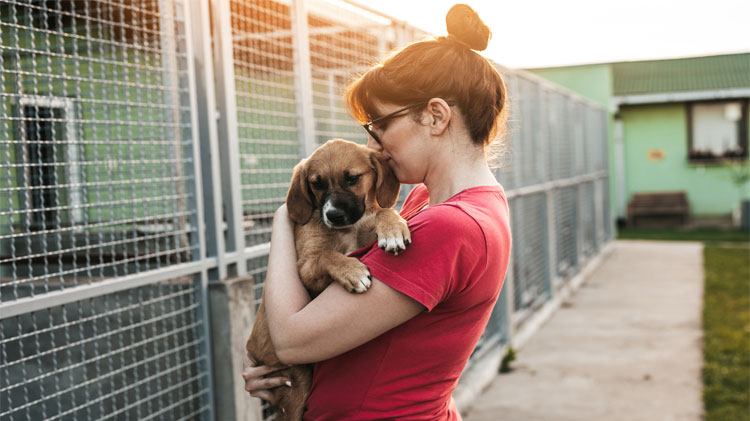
[299, 201]
[440, 115]
[386, 183]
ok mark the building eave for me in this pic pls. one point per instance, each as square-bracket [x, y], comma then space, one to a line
[667, 97]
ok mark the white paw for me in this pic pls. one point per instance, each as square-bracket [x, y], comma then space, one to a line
[353, 276]
[360, 284]
[393, 244]
[364, 283]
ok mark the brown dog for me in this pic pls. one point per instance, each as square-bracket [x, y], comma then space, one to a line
[340, 200]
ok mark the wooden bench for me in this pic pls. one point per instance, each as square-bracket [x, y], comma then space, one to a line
[659, 209]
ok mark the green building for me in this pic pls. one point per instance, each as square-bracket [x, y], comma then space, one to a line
[675, 125]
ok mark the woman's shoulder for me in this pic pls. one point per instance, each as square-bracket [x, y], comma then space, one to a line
[472, 212]
[447, 218]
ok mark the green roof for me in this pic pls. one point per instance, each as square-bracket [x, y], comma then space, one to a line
[680, 75]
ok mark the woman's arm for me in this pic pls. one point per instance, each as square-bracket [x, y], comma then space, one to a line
[336, 321]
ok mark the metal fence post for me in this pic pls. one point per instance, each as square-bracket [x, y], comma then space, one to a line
[230, 295]
[171, 97]
[207, 134]
[227, 130]
[509, 306]
[194, 25]
[303, 76]
[549, 196]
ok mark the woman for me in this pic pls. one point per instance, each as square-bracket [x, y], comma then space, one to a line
[398, 350]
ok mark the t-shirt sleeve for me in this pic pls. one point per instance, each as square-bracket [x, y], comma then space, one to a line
[428, 269]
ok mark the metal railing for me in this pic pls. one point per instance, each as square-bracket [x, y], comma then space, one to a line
[145, 145]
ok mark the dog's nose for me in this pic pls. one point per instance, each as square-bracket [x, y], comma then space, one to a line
[336, 216]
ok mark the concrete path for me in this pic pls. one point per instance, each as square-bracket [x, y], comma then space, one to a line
[626, 346]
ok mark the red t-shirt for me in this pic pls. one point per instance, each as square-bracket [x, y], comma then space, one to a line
[454, 267]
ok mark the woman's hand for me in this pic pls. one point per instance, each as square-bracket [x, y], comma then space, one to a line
[256, 381]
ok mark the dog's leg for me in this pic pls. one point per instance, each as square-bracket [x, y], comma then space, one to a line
[259, 343]
[289, 402]
[317, 271]
[392, 230]
[292, 400]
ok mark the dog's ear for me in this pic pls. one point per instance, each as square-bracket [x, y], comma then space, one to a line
[386, 183]
[299, 201]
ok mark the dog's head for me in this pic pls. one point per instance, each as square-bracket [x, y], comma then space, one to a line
[343, 180]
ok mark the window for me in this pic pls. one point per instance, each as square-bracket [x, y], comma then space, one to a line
[42, 179]
[717, 130]
[50, 161]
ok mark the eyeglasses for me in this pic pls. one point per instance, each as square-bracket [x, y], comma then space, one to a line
[368, 126]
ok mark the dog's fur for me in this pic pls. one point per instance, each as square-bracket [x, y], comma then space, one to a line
[340, 200]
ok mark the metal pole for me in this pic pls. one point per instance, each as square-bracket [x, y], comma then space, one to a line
[195, 27]
[169, 63]
[206, 128]
[303, 77]
[227, 130]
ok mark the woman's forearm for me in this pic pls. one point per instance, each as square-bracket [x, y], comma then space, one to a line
[284, 293]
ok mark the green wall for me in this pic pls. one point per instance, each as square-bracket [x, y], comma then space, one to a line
[593, 81]
[709, 187]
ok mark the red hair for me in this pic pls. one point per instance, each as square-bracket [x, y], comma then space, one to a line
[442, 67]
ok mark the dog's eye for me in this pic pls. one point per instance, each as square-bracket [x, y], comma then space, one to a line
[352, 179]
[318, 184]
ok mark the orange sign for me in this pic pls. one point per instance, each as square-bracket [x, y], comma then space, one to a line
[655, 155]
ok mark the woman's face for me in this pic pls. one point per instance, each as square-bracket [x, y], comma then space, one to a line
[403, 143]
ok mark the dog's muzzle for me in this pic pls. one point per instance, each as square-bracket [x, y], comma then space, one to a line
[342, 213]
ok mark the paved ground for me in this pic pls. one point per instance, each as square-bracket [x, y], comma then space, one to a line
[626, 346]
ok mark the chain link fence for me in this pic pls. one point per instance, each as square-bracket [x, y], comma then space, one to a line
[145, 146]
[97, 212]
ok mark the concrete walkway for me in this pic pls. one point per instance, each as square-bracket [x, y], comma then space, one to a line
[626, 346]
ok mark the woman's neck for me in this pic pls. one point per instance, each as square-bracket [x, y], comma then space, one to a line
[448, 179]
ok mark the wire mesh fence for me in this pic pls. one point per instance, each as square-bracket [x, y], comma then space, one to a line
[105, 247]
[97, 194]
[273, 99]
[266, 109]
[130, 354]
[95, 143]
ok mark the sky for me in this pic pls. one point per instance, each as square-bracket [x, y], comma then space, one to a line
[546, 33]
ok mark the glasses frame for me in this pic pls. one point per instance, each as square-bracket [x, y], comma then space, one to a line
[368, 126]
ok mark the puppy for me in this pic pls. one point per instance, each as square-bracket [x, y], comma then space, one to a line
[340, 200]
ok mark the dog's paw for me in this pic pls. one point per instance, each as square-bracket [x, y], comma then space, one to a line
[393, 234]
[353, 275]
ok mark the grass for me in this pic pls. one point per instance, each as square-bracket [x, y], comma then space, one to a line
[509, 357]
[726, 316]
[726, 324]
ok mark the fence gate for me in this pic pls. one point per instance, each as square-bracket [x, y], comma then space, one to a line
[102, 260]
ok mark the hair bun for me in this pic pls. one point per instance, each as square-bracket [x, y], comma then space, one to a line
[465, 26]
